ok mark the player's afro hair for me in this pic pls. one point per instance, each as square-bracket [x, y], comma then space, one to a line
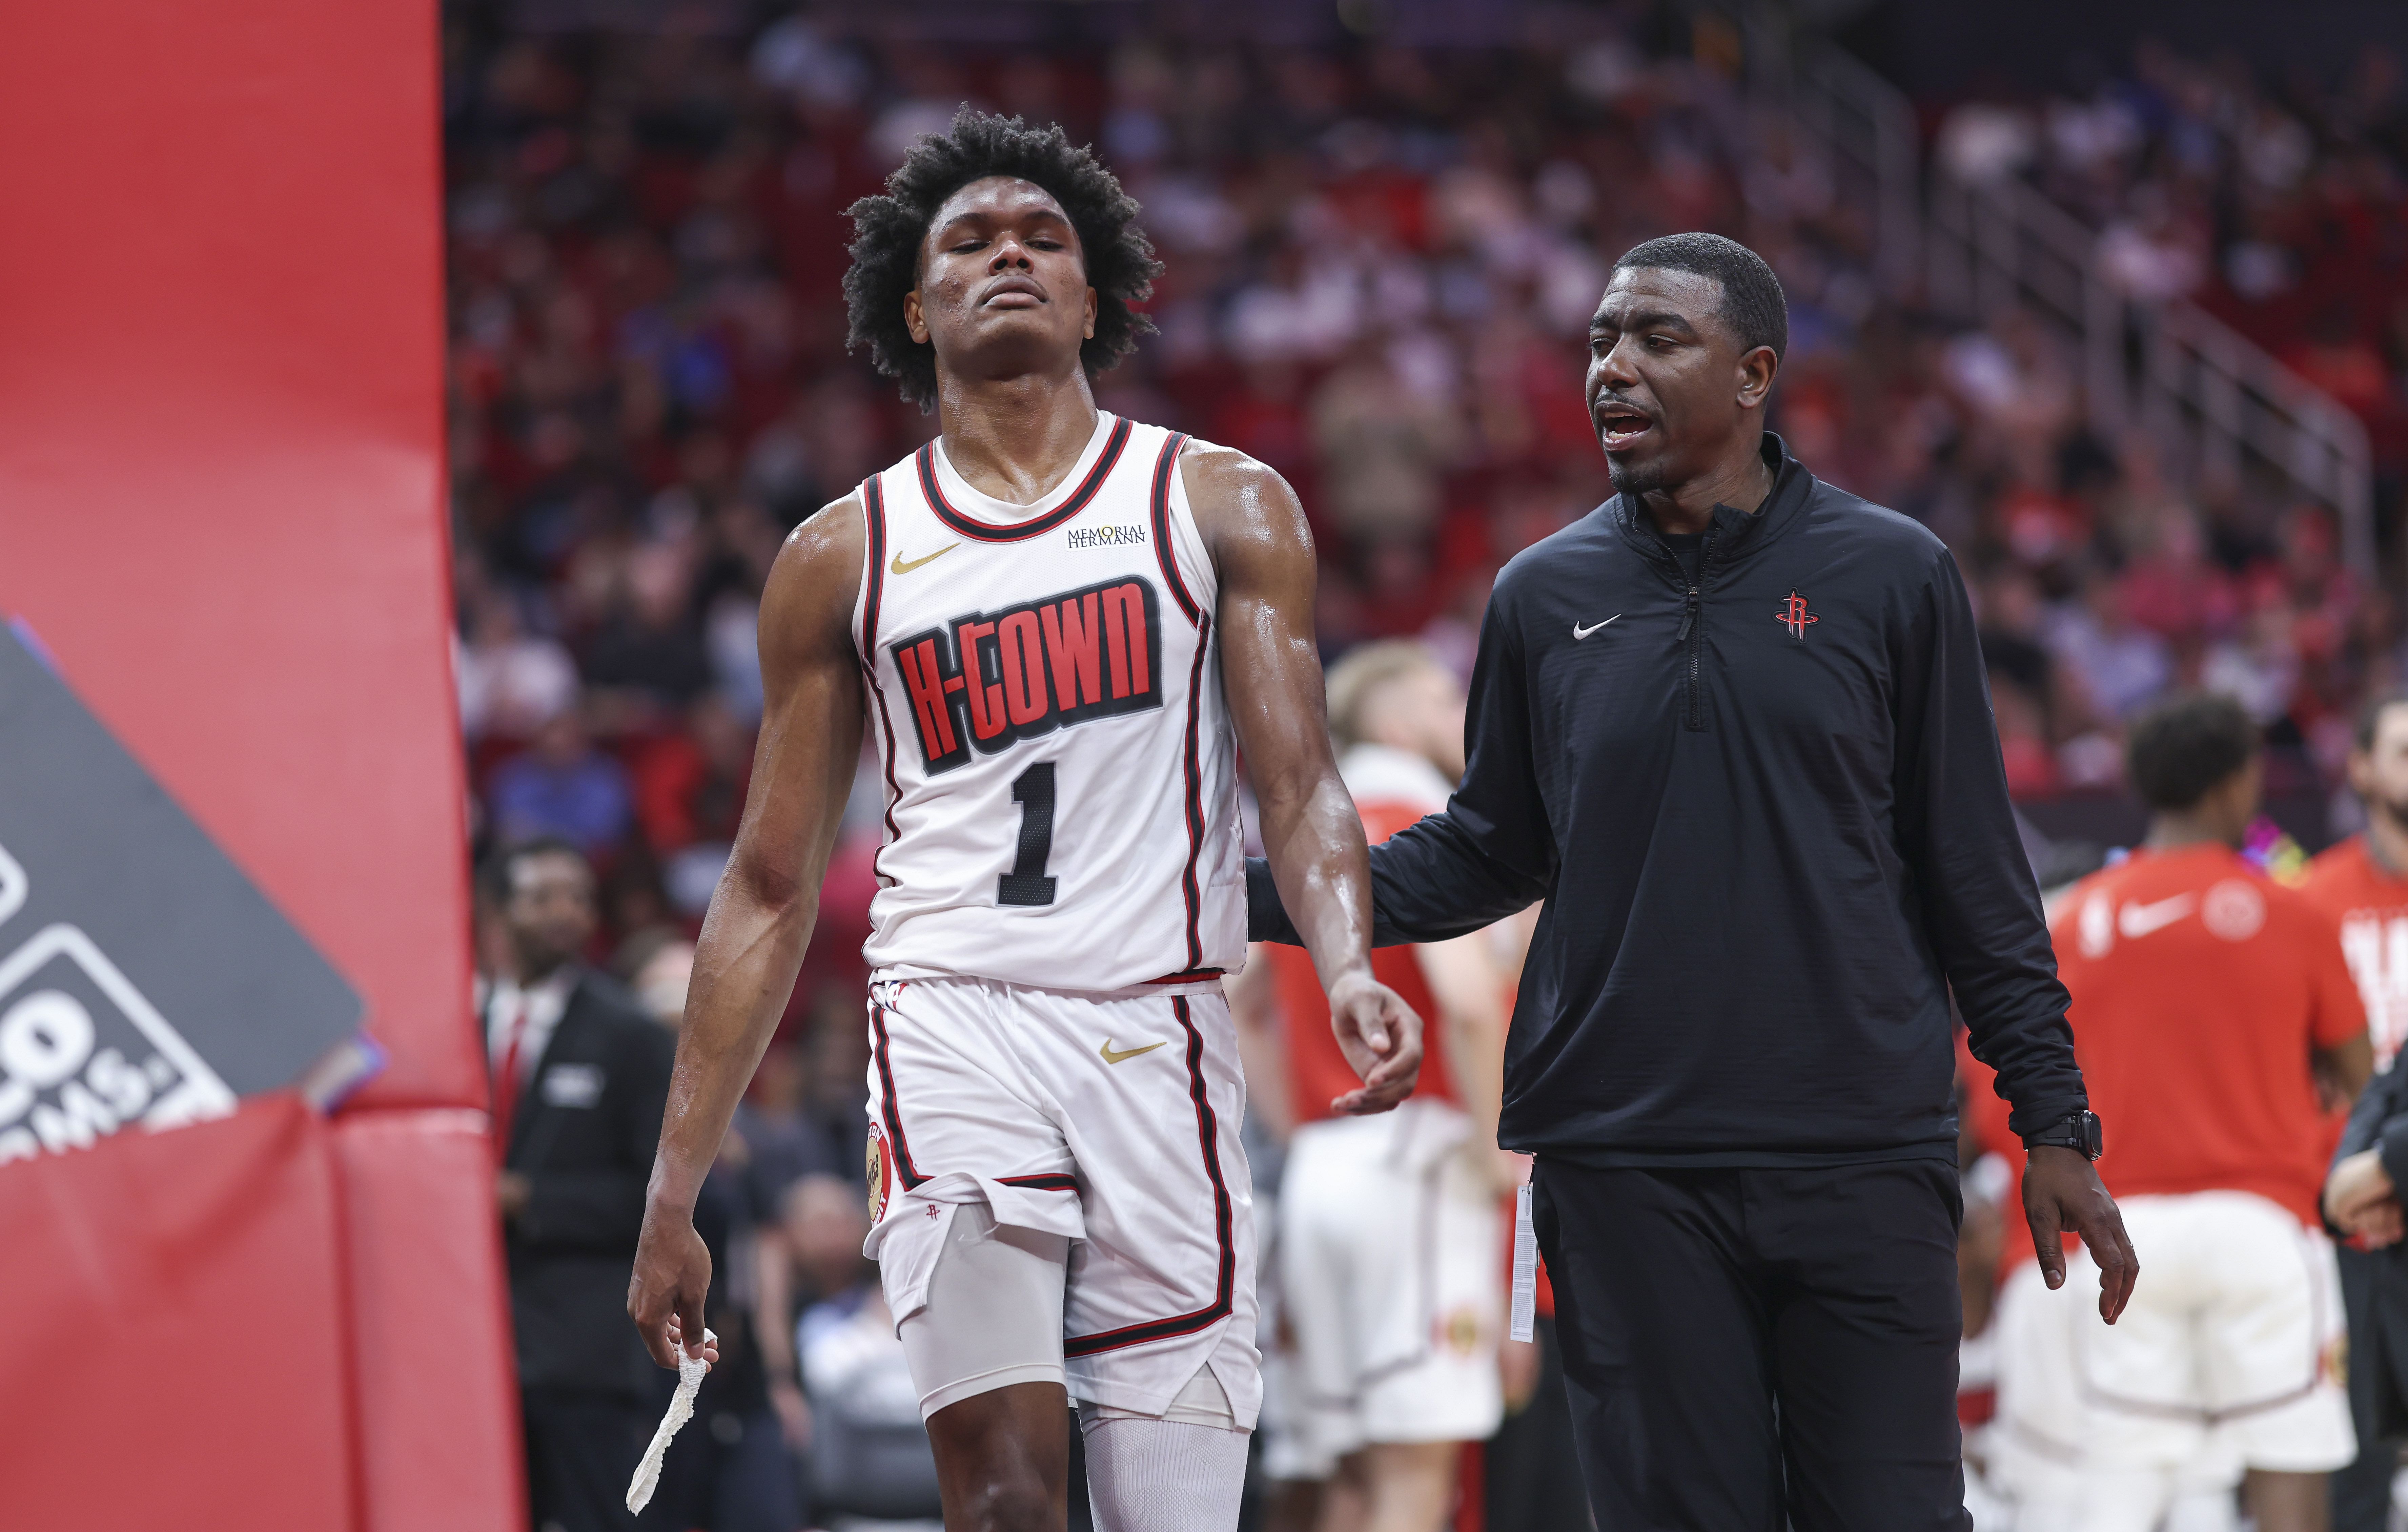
[888, 229]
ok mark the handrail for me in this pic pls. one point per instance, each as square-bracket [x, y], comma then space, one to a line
[2217, 402]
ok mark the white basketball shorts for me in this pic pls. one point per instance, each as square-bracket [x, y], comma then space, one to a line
[1112, 1121]
[1392, 1273]
[2230, 1356]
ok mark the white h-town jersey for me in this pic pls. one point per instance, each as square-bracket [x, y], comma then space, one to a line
[1045, 697]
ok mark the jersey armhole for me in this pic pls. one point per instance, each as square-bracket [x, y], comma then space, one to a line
[873, 570]
[1182, 543]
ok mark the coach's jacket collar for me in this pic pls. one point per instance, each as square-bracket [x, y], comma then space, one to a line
[1737, 534]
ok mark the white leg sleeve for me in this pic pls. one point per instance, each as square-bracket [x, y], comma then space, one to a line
[994, 1314]
[1171, 1473]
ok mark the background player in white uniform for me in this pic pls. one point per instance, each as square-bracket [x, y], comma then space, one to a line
[1392, 1231]
[1047, 622]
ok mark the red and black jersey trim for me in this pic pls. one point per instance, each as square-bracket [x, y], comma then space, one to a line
[1195, 794]
[890, 1110]
[970, 526]
[1158, 505]
[1208, 1135]
[873, 521]
[1189, 975]
[1052, 1182]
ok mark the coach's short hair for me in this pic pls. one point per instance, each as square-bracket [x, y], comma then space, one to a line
[1752, 303]
[1366, 671]
[2185, 746]
[889, 227]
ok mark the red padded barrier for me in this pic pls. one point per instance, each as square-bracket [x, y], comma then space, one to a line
[222, 510]
[220, 492]
[439, 1430]
[175, 1355]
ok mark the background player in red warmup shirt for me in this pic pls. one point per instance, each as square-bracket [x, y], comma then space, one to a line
[1390, 1231]
[2211, 1013]
[2362, 884]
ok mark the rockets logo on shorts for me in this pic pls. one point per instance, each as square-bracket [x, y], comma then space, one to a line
[990, 679]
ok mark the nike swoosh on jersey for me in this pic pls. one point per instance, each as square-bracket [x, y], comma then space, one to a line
[1126, 1053]
[1580, 632]
[2138, 919]
[901, 567]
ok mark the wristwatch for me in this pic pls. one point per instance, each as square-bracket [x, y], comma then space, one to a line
[2080, 1131]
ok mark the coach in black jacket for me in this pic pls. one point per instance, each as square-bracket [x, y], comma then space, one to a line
[590, 1072]
[2362, 1196]
[1733, 728]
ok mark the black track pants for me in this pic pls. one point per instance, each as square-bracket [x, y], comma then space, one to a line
[1750, 1350]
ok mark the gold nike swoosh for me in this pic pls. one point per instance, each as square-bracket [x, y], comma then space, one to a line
[901, 568]
[1111, 1057]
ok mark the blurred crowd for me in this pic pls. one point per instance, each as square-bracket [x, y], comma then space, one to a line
[1382, 263]
[2278, 202]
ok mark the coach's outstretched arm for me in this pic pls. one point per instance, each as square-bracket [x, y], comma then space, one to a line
[1253, 527]
[761, 917]
[1491, 854]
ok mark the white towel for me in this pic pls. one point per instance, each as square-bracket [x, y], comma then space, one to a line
[647, 1472]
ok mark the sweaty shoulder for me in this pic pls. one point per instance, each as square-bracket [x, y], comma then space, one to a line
[814, 582]
[1221, 479]
[1237, 499]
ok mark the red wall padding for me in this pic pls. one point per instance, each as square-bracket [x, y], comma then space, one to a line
[175, 1354]
[221, 487]
[419, 1204]
[222, 510]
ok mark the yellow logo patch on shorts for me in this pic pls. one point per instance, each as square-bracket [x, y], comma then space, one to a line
[1460, 1331]
[875, 1166]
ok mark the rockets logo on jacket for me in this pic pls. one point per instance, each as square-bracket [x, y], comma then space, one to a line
[989, 679]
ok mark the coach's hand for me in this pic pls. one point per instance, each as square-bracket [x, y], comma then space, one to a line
[1382, 1039]
[672, 1277]
[2062, 1196]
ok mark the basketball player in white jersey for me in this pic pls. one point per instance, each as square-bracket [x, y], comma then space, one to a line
[1048, 621]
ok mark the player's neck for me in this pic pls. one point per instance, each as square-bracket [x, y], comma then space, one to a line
[1015, 438]
[2183, 832]
[2386, 842]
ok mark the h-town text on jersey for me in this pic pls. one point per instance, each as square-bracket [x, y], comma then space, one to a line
[1042, 665]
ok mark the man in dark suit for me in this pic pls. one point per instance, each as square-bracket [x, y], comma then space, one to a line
[580, 1075]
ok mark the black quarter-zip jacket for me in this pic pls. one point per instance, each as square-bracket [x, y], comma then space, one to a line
[1768, 816]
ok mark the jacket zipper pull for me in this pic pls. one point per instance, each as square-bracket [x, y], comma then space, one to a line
[1688, 616]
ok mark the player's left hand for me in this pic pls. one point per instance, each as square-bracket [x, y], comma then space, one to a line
[672, 1277]
[708, 1351]
[1382, 1039]
[2062, 1196]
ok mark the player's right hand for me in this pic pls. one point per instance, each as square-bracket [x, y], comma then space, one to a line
[672, 1277]
[1382, 1039]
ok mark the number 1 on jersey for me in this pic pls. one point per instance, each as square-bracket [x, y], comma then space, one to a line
[1026, 883]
